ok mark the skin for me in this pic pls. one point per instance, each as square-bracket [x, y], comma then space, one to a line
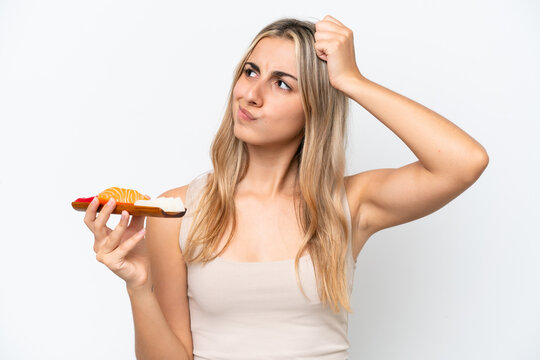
[272, 139]
[449, 161]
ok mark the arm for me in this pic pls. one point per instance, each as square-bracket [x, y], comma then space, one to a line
[442, 148]
[161, 309]
[449, 159]
[153, 336]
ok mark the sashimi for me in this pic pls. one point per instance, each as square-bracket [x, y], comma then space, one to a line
[121, 195]
[135, 203]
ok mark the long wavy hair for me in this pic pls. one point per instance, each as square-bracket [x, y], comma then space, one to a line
[319, 177]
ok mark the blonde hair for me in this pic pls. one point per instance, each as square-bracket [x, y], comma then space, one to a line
[320, 173]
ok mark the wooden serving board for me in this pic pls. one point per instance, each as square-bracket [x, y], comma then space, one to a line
[132, 210]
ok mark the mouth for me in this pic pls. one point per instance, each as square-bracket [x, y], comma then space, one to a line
[244, 114]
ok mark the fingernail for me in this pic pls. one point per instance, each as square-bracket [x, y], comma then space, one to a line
[142, 231]
[94, 200]
[110, 202]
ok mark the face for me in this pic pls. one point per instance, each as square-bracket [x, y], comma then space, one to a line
[269, 91]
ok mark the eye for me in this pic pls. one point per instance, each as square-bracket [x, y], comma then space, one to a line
[284, 83]
[286, 88]
[247, 71]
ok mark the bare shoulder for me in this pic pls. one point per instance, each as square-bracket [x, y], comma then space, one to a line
[176, 192]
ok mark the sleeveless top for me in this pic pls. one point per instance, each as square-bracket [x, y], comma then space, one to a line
[255, 310]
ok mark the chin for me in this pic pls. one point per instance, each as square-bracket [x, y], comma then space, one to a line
[238, 132]
[245, 136]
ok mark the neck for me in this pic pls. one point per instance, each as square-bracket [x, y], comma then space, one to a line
[271, 172]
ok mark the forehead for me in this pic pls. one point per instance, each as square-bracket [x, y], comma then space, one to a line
[275, 54]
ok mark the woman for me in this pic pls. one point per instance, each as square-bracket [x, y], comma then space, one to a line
[277, 226]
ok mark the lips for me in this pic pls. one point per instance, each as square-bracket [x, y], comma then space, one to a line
[246, 113]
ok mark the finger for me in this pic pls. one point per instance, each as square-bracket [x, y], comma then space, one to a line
[323, 48]
[328, 35]
[333, 19]
[124, 248]
[326, 25]
[100, 228]
[90, 214]
[115, 236]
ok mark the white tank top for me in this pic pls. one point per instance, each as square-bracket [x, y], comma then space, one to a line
[255, 310]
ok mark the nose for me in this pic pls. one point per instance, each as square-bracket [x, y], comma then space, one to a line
[253, 93]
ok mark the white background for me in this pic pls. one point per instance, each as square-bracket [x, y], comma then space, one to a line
[129, 93]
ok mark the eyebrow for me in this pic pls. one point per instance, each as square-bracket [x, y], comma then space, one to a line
[274, 73]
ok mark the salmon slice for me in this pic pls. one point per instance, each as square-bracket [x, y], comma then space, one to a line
[121, 195]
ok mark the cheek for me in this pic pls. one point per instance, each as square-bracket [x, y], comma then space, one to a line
[291, 114]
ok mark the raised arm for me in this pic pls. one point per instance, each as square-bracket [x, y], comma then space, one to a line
[449, 159]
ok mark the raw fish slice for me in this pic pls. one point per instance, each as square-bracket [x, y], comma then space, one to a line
[121, 195]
